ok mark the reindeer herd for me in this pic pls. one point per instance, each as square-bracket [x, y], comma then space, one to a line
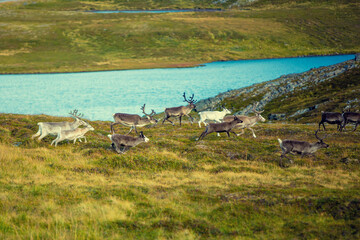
[222, 123]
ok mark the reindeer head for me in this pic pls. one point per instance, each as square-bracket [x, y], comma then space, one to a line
[237, 120]
[77, 116]
[191, 102]
[320, 143]
[258, 114]
[143, 136]
[149, 116]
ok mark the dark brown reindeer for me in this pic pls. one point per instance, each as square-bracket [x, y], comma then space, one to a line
[133, 120]
[126, 142]
[331, 118]
[300, 147]
[350, 117]
[221, 127]
[181, 111]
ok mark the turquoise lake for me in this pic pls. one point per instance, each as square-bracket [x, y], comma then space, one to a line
[100, 94]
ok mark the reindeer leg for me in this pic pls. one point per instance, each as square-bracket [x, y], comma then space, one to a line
[252, 132]
[191, 119]
[203, 134]
[135, 129]
[242, 132]
[233, 133]
[36, 134]
[228, 134]
[112, 127]
[180, 119]
[130, 130]
[167, 119]
[355, 126]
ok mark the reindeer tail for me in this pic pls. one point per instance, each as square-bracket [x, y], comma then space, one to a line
[109, 136]
[280, 142]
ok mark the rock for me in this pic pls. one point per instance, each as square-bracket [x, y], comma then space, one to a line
[276, 116]
[357, 57]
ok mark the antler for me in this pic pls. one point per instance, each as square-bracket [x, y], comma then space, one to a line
[254, 108]
[149, 115]
[75, 113]
[191, 99]
[317, 137]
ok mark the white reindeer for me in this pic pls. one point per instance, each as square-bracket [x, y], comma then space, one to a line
[216, 116]
[74, 134]
[53, 128]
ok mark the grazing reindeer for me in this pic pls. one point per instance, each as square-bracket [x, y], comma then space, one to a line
[248, 122]
[125, 141]
[73, 134]
[221, 127]
[181, 111]
[52, 128]
[216, 116]
[350, 117]
[300, 147]
[133, 120]
[331, 118]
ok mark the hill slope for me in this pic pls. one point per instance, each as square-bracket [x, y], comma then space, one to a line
[300, 97]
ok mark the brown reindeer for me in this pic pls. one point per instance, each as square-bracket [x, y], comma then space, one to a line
[133, 120]
[248, 122]
[221, 127]
[350, 117]
[181, 111]
[126, 142]
[300, 147]
[331, 118]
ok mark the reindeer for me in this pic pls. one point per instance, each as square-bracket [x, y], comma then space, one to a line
[248, 122]
[331, 118]
[73, 134]
[53, 128]
[133, 120]
[300, 147]
[216, 116]
[221, 127]
[181, 111]
[350, 117]
[126, 142]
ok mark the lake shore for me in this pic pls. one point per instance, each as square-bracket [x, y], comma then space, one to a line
[180, 65]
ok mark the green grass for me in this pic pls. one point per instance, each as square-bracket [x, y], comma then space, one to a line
[175, 187]
[41, 39]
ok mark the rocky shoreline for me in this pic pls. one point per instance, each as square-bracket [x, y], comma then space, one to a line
[285, 84]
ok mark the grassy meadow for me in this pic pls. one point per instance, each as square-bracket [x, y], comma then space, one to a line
[60, 36]
[174, 187]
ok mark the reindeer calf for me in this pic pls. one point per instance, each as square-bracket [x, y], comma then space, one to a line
[72, 134]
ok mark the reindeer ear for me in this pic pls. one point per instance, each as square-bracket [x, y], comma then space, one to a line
[142, 134]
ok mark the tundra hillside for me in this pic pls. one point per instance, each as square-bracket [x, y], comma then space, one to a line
[178, 188]
[297, 97]
[61, 36]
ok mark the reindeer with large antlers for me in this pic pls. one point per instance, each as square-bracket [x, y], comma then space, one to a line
[300, 147]
[53, 128]
[181, 111]
[133, 120]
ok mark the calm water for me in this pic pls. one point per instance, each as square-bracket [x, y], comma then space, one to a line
[100, 94]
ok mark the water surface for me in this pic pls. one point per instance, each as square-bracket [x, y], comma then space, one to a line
[100, 94]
